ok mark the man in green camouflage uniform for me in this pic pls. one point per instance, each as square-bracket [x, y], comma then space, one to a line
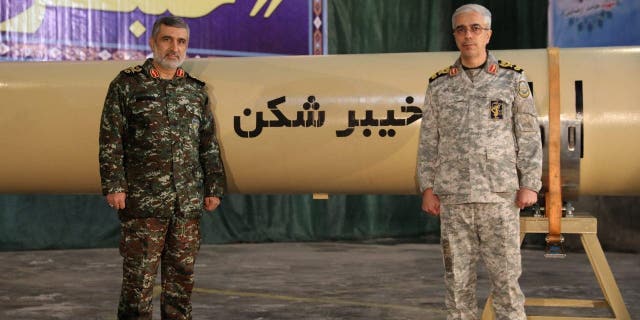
[160, 165]
[479, 162]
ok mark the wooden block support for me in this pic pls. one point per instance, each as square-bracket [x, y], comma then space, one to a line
[586, 226]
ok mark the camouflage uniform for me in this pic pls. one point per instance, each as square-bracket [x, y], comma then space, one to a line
[480, 143]
[158, 145]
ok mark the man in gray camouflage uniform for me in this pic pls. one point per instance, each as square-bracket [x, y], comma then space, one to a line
[160, 165]
[479, 162]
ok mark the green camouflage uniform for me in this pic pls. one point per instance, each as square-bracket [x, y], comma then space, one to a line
[158, 145]
[479, 143]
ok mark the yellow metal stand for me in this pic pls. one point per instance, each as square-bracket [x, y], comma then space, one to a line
[586, 226]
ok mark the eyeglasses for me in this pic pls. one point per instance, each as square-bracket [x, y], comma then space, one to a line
[475, 30]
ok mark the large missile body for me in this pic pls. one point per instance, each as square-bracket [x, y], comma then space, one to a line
[318, 124]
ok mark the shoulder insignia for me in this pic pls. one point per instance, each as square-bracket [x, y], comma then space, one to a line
[507, 65]
[132, 70]
[198, 81]
[440, 73]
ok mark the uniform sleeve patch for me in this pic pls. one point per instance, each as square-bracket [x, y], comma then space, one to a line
[523, 89]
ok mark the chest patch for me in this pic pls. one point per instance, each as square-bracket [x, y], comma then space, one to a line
[496, 110]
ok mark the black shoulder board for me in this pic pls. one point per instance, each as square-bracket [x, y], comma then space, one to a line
[507, 65]
[198, 81]
[132, 70]
[439, 74]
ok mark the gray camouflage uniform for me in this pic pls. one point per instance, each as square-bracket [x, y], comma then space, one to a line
[480, 143]
[158, 145]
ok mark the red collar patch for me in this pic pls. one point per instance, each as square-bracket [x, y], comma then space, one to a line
[453, 71]
[493, 68]
[154, 73]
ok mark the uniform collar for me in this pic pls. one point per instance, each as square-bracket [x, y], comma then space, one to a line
[490, 66]
[152, 72]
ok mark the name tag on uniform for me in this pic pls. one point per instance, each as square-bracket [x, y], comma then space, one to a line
[496, 110]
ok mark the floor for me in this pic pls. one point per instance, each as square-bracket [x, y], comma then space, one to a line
[282, 281]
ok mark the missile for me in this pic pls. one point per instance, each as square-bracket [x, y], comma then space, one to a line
[337, 124]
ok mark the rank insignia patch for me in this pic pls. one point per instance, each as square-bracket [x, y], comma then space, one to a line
[496, 110]
[132, 70]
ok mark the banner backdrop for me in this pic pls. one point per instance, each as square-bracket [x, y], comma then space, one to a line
[594, 23]
[52, 30]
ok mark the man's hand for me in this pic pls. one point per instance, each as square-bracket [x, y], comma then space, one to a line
[526, 197]
[211, 203]
[116, 200]
[430, 202]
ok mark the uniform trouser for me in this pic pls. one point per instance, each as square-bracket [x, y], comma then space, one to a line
[490, 231]
[145, 242]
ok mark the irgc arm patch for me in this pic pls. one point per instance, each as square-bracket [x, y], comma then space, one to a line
[525, 110]
[523, 89]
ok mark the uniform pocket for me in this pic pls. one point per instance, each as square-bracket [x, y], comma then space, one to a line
[149, 192]
[453, 114]
[452, 175]
[502, 172]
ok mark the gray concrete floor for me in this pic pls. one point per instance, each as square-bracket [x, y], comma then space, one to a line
[282, 281]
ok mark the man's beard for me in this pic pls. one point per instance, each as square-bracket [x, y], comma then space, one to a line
[166, 63]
